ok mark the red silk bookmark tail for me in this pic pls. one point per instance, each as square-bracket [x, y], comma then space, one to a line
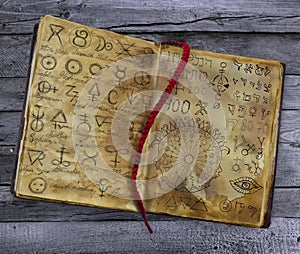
[151, 119]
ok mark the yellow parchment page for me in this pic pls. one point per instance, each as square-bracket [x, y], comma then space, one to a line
[210, 154]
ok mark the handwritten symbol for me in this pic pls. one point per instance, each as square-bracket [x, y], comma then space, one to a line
[202, 109]
[95, 68]
[103, 186]
[125, 48]
[37, 123]
[220, 82]
[225, 205]
[73, 66]
[36, 156]
[60, 161]
[45, 87]
[81, 38]
[142, 78]
[48, 62]
[59, 119]
[84, 122]
[171, 202]
[71, 92]
[90, 157]
[245, 151]
[103, 44]
[120, 74]
[37, 185]
[55, 29]
[265, 113]
[236, 145]
[236, 166]
[94, 92]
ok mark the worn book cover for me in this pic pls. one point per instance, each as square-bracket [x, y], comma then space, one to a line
[210, 154]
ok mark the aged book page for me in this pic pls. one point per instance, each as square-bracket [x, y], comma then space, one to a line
[210, 154]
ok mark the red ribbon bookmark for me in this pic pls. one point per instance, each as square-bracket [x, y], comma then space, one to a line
[154, 112]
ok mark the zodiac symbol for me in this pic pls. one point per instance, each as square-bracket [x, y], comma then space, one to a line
[62, 162]
[37, 123]
[225, 205]
[45, 87]
[73, 66]
[48, 62]
[55, 29]
[125, 48]
[81, 38]
[90, 157]
[59, 119]
[142, 78]
[245, 185]
[103, 186]
[36, 156]
[37, 185]
[103, 44]
[220, 82]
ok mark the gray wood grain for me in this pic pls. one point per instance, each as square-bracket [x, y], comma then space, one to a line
[15, 53]
[170, 237]
[285, 205]
[12, 93]
[287, 169]
[19, 16]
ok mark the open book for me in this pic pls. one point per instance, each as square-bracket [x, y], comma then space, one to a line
[210, 153]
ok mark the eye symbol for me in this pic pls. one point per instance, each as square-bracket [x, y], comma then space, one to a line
[245, 185]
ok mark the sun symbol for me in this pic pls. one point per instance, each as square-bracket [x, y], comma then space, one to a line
[198, 160]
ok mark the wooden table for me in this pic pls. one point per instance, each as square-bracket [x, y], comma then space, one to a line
[265, 29]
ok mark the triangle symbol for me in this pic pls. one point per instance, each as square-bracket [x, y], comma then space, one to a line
[199, 205]
[171, 202]
[226, 85]
[60, 117]
[235, 81]
[94, 90]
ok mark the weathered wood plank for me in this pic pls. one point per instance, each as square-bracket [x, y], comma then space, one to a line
[287, 171]
[15, 53]
[132, 237]
[234, 15]
[285, 205]
[12, 93]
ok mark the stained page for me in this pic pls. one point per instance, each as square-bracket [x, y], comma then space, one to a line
[209, 155]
